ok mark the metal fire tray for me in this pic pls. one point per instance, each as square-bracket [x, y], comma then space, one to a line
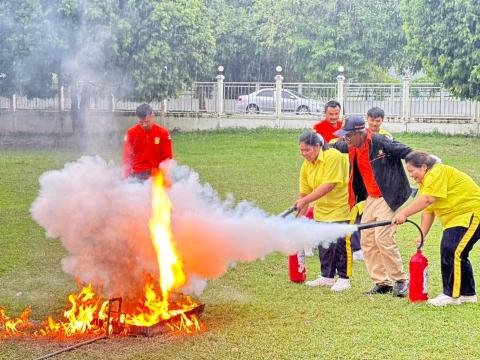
[162, 326]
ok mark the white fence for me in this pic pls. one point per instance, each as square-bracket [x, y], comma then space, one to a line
[399, 100]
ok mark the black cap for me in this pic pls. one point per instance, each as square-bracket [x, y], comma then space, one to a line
[352, 124]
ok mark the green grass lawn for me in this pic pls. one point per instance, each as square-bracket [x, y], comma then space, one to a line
[253, 311]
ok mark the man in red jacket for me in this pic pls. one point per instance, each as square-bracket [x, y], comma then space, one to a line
[146, 145]
[331, 123]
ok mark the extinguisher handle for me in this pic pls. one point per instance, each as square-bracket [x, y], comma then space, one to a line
[419, 246]
[288, 211]
[373, 224]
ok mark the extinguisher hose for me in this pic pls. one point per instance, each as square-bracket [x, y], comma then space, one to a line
[288, 211]
[388, 222]
[419, 246]
[367, 225]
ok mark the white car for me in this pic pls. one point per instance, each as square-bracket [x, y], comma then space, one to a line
[263, 101]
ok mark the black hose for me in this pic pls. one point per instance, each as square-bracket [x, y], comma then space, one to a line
[388, 222]
[288, 211]
[420, 231]
[373, 224]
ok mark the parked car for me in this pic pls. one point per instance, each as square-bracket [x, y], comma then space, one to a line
[263, 101]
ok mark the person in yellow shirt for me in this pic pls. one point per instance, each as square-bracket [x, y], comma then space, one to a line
[454, 198]
[375, 118]
[324, 180]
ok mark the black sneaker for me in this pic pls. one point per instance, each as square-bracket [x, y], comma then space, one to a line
[400, 289]
[379, 289]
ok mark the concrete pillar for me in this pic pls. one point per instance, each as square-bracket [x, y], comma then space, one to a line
[405, 111]
[112, 103]
[220, 95]
[61, 99]
[13, 103]
[476, 111]
[278, 94]
[341, 90]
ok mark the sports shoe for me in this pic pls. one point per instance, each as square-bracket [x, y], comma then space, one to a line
[467, 299]
[341, 285]
[400, 289]
[321, 281]
[443, 300]
[358, 255]
[379, 289]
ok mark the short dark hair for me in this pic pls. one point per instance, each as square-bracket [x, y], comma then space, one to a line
[418, 158]
[311, 138]
[332, 104]
[376, 112]
[143, 111]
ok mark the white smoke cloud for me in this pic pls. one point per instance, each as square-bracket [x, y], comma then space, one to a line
[102, 220]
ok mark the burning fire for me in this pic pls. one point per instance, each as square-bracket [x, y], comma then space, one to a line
[88, 314]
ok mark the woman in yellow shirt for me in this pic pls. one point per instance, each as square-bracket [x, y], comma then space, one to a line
[454, 198]
[324, 180]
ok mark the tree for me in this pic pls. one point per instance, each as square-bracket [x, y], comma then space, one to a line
[170, 45]
[446, 38]
[311, 38]
[144, 49]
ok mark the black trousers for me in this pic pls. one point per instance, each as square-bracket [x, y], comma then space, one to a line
[333, 260]
[457, 273]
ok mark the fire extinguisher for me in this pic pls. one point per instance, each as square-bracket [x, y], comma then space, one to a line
[418, 284]
[296, 262]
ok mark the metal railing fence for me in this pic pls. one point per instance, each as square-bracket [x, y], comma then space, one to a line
[404, 100]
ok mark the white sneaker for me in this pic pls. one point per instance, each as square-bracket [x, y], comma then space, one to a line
[341, 285]
[443, 300]
[467, 299]
[357, 255]
[308, 252]
[321, 281]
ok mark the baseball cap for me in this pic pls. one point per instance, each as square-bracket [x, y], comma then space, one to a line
[352, 124]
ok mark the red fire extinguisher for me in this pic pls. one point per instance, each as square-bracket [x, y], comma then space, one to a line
[418, 286]
[296, 262]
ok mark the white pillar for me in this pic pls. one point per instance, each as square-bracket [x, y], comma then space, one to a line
[112, 103]
[220, 100]
[476, 110]
[61, 99]
[14, 102]
[278, 94]
[341, 92]
[165, 102]
[405, 98]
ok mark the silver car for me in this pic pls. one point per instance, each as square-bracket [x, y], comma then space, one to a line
[263, 101]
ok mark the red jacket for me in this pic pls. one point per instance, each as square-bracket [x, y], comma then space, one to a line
[325, 129]
[145, 150]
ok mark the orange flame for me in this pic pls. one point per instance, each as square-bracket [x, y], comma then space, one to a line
[87, 313]
[86, 309]
[171, 272]
[14, 326]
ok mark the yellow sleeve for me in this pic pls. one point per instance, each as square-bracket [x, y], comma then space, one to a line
[304, 188]
[336, 168]
[435, 182]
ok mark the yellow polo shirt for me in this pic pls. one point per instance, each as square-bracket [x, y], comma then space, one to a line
[385, 133]
[331, 167]
[458, 197]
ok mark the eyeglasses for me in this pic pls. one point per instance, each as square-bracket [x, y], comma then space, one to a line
[349, 136]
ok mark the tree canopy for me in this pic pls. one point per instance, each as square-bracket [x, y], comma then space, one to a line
[445, 35]
[149, 49]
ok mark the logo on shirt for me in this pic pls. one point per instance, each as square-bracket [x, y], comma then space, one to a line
[157, 140]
